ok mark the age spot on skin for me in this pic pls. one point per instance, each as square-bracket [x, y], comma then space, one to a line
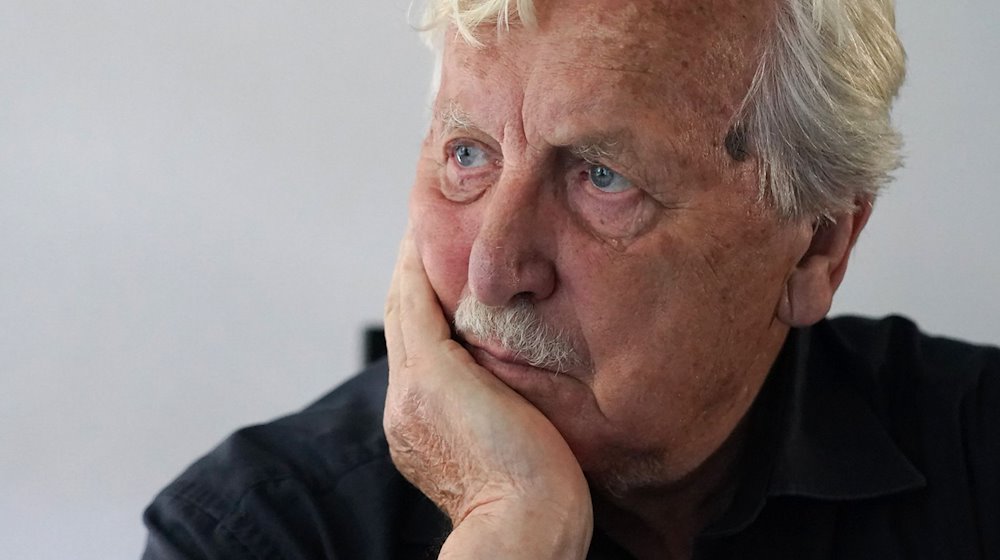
[736, 143]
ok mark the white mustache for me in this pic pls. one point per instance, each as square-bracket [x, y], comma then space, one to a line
[518, 329]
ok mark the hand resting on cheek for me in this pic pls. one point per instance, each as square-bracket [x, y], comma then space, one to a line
[488, 458]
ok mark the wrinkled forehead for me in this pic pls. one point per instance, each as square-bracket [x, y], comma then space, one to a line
[688, 51]
[650, 25]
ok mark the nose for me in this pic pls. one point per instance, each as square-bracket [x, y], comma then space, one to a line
[512, 253]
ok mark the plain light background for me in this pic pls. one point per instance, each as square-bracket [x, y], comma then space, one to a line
[200, 204]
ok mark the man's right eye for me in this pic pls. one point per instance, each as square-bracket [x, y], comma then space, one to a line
[469, 156]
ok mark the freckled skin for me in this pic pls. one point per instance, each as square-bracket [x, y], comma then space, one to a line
[668, 290]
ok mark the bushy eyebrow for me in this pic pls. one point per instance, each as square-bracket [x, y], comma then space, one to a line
[598, 149]
[452, 117]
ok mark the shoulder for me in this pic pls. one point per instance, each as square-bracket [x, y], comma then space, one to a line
[939, 400]
[896, 341]
[318, 483]
[899, 363]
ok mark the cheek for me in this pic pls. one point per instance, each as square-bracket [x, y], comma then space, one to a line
[443, 232]
[625, 307]
[661, 294]
[698, 303]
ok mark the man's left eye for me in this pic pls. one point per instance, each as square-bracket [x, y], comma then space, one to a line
[607, 179]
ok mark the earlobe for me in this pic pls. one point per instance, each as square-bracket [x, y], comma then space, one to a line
[811, 284]
[808, 294]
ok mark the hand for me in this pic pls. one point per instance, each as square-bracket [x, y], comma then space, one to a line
[480, 451]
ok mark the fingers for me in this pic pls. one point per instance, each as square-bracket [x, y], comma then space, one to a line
[421, 319]
[393, 333]
[414, 321]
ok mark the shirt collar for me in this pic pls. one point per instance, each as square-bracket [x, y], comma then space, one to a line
[815, 434]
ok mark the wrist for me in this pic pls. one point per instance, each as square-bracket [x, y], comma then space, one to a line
[539, 526]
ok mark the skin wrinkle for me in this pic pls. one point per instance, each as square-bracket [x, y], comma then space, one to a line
[453, 113]
[850, 45]
[416, 436]
[626, 153]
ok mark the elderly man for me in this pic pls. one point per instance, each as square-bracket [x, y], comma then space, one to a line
[606, 326]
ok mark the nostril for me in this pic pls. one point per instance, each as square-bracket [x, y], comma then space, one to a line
[526, 296]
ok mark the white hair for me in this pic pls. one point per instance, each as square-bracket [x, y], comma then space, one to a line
[517, 328]
[816, 116]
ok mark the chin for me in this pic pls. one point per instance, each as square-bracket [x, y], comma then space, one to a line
[623, 474]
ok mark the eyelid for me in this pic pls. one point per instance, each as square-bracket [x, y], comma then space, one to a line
[453, 134]
[462, 184]
[449, 147]
[492, 152]
[613, 167]
[626, 186]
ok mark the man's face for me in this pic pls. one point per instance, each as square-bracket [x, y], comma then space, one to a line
[581, 166]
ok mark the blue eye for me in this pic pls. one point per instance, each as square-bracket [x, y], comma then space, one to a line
[469, 156]
[607, 179]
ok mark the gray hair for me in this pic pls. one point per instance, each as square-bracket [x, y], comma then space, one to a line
[517, 328]
[816, 116]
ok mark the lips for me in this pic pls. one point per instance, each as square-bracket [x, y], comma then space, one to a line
[499, 354]
[531, 382]
[491, 349]
[489, 353]
[496, 354]
[512, 371]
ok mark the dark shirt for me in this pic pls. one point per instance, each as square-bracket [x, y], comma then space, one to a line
[868, 440]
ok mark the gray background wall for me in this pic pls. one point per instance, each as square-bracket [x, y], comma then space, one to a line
[200, 204]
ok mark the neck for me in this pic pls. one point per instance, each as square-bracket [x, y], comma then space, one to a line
[663, 521]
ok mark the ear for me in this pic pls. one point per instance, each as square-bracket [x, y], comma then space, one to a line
[810, 286]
